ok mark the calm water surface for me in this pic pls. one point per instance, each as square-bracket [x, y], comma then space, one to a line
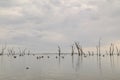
[63, 68]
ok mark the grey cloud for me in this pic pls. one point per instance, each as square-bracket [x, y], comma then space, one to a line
[41, 23]
[7, 3]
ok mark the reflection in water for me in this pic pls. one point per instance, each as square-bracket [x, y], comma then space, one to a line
[78, 63]
[73, 62]
[100, 65]
[2, 62]
[71, 68]
[59, 59]
[117, 60]
[112, 62]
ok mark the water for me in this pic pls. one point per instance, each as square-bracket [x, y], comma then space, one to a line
[64, 68]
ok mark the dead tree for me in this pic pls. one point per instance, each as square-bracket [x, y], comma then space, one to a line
[11, 51]
[72, 50]
[112, 49]
[28, 52]
[23, 52]
[81, 49]
[3, 50]
[97, 50]
[59, 50]
[78, 48]
[118, 51]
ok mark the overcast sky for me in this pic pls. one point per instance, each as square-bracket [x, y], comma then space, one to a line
[44, 24]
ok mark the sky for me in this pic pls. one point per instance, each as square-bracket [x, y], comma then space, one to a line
[42, 25]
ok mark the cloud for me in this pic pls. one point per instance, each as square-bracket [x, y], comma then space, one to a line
[41, 23]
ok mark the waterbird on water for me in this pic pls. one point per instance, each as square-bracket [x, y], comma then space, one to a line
[48, 57]
[103, 55]
[63, 57]
[56, 57]
[14, 56]
[42, 56]
[27, 67]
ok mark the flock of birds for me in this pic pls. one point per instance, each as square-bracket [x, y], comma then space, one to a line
[40, 57]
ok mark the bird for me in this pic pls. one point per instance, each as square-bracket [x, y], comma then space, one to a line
[27, 67]
[42, 56]
[63, 57]
[14, 56]
[56, 57]
[48, 57]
